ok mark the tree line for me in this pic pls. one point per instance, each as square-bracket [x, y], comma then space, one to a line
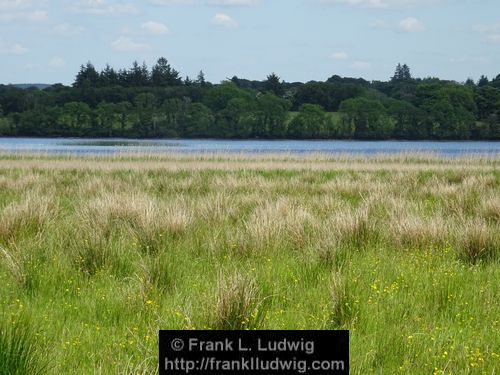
[158, 103]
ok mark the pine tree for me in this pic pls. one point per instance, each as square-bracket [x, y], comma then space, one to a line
[200, 80]
[402, 73]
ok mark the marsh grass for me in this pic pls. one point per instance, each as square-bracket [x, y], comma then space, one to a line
[20, 353]
[342, 306]
[239, 304]
[28, 217]
[476, 242]
[402, 250]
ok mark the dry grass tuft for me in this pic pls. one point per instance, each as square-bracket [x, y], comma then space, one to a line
[342, 309]
[490, 209]
[239, 305]
[353, 227]
[28, 217]
[278, 223]
[415, 232]
[14, 265]
[476, 242]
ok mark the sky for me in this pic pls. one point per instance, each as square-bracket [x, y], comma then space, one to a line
[46, 41]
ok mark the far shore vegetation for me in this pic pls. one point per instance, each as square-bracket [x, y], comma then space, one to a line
[99, 252]
[157, 102]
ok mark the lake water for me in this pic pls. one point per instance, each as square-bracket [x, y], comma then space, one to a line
[99, 146]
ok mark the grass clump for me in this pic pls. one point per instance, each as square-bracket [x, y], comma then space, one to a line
[20, 353]
[476, 243]
[239, 304]
[342, 306]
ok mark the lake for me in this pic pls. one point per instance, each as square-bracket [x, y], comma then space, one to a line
[99, 146]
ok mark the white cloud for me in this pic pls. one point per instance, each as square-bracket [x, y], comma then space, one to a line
[57, 62]
[12, 49]
[411, 25]
[155, 28]
[494, 38]
[234, 2]
[380, 3]
[9, 5]
[228, 3]
[495, 28]
[24, 10]
[67, 30]
[123, 44]
[340, 56]
[36, 15]
[492, 32]
[102, 7]
[469, 59]
[360, 65]
[174, 2]
[221, 19]
[380, 25]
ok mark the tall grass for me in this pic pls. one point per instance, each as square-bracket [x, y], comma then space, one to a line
[101, 252]
[20, 353]
[239, 304]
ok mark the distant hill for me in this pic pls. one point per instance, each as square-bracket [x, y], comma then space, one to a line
[40, 86]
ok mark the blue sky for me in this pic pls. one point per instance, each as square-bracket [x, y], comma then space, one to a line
[45, 41]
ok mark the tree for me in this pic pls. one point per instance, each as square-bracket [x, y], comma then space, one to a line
[487, 99]
[496, 81]
[163, 74]
[200, 79]
[311, 122]
[197, 121]
[218, 97]
[447, 116]
[138, 75]
[109, 77]
[483, 81]
[470, 82]
[328, 94]
[75, 119]
[145, 108]
[402, 73]
[6, 127]
[408, 120]
[107, 120]
[87, 76]
[271, 116]
[273, 84]
[232, 121]
[368, 118]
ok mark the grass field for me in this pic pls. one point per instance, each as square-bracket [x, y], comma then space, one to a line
[98, 253]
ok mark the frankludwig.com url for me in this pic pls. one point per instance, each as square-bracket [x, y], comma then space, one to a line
[251, 364]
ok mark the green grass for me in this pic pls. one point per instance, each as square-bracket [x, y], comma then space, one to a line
[102, 258]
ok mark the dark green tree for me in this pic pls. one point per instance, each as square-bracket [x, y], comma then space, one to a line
[483, 81]
[273, 84]
[271, 116]
[197, 121]
[109, 77]
[402, 73]
[311, 122]
[75, 119]
[200, 79]
[218, 97]
[163, 74]
[368, 117]
[87, 76]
